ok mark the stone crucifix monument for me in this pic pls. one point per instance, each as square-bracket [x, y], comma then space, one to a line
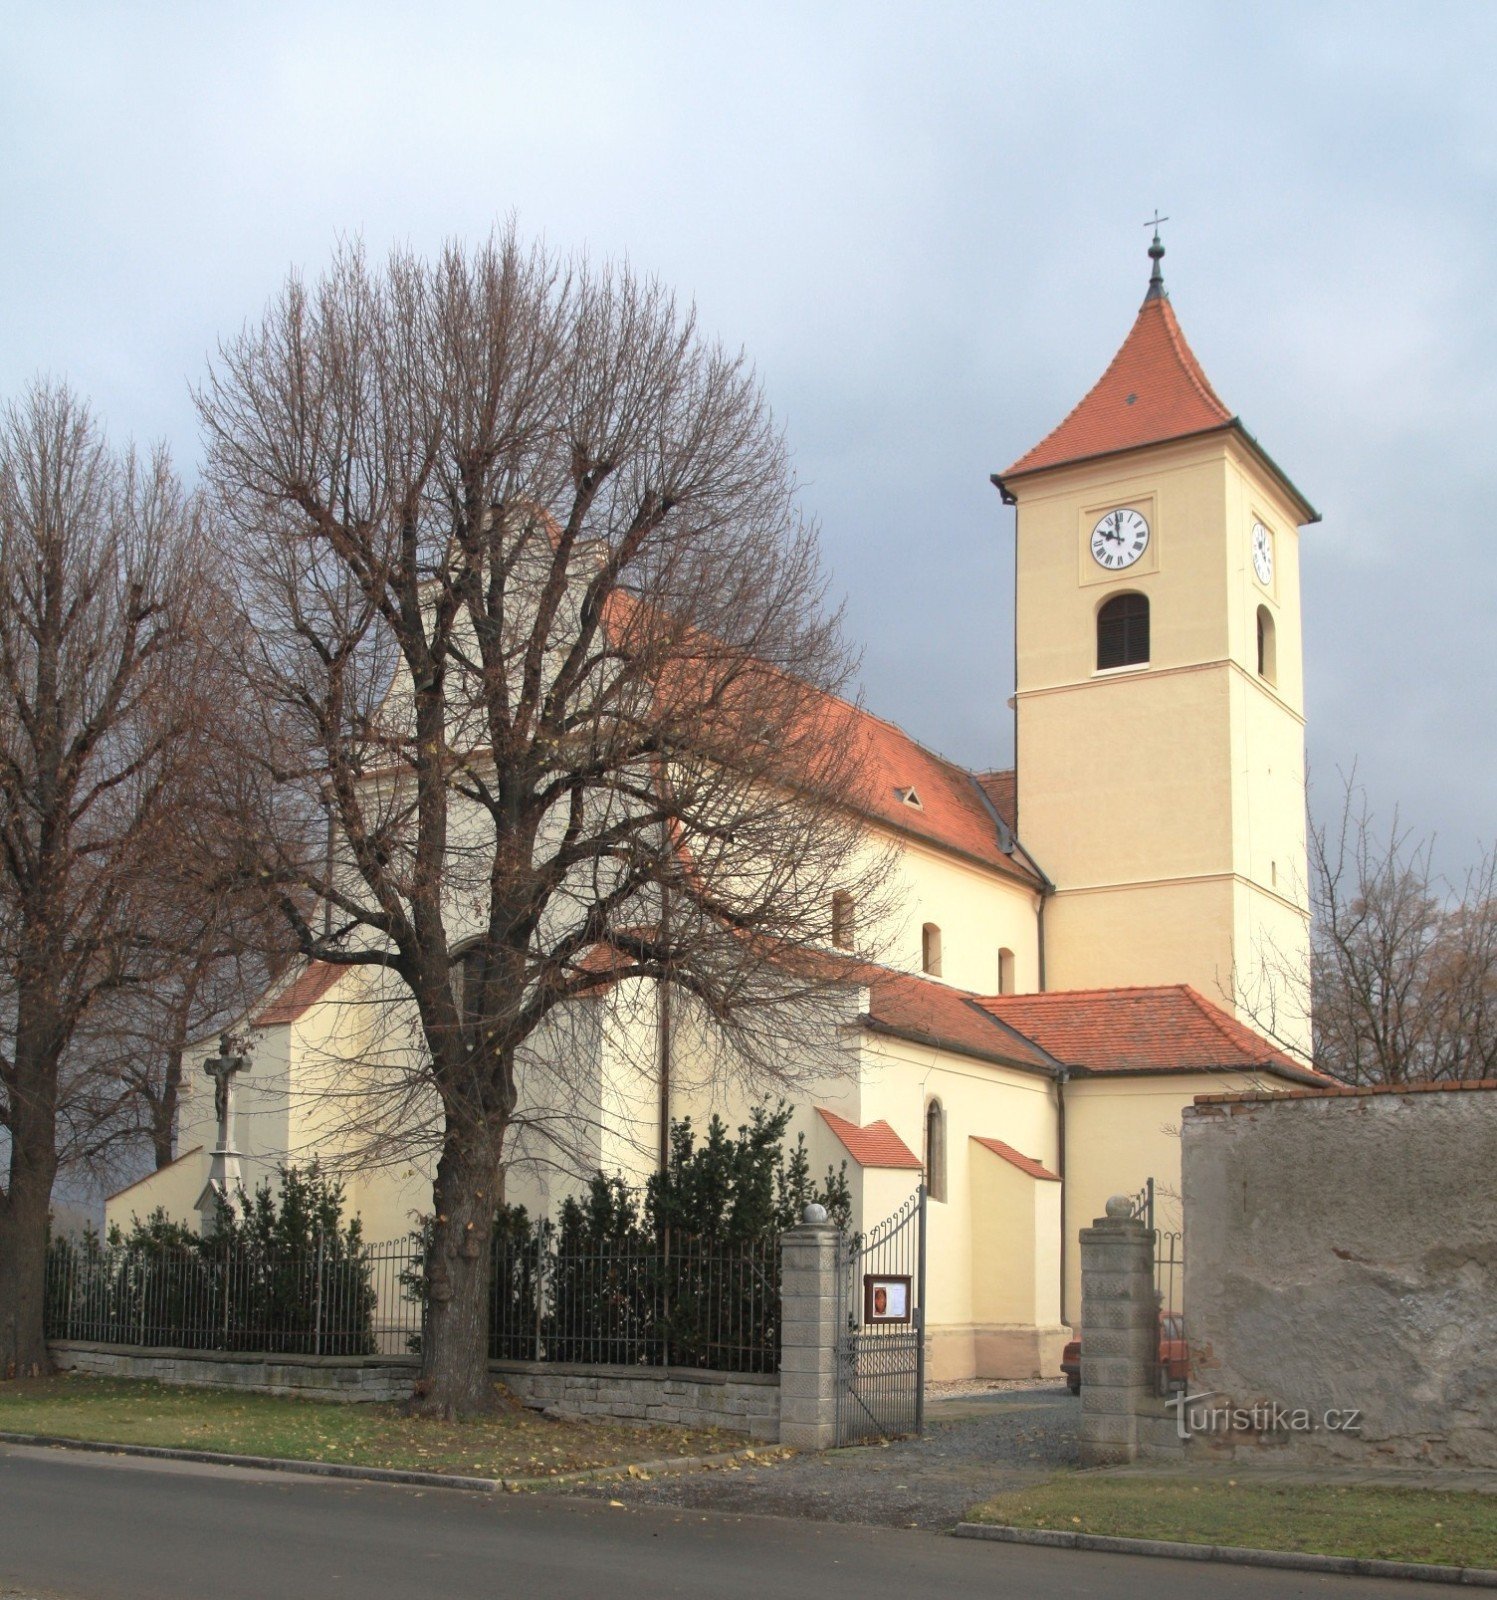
[225, 1180]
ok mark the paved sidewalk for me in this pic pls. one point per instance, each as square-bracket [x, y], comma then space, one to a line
[976, 1444]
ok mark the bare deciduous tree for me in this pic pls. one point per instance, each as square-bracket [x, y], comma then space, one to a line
[1404, 963]
[98, 556]
[1402, 980]
[545, 673]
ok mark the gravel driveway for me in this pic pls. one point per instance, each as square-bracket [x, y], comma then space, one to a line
[975, 1444]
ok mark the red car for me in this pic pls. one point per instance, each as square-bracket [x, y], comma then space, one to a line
[1174, 1358]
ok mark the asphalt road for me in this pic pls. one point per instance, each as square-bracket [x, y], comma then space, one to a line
[81, 1527]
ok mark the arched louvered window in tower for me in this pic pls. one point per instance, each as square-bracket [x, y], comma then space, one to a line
[1123, 632]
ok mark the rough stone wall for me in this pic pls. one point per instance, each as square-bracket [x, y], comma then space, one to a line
[1341, 1254]
[739, 1402]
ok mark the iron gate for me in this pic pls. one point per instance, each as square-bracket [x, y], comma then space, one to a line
[881, 1360]
[1173, 1366]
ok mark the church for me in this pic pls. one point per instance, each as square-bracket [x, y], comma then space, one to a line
[1081, 945]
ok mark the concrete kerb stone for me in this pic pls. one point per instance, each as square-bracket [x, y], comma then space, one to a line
[1291, 1560]
[394, 1475]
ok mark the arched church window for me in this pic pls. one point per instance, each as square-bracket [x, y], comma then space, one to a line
[935, 1151]
[1123, 632]
[930, 950]
[1267, 652]
[842, 920]
[1005, 971]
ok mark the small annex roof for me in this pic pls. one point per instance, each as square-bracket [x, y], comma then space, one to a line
[300, 995]
[1162, 1029]
[1024, 1163]
[1153, 391]
[877, 1145]
[923, 1011]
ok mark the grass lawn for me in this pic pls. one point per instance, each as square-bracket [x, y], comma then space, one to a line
[518, 1443]
[1443, 1527]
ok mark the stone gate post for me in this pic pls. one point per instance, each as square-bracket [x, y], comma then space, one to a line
[1119, 1334]
[809, 1335]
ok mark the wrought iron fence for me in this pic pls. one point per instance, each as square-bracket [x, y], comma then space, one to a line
[678, 1301]
[324, 1300]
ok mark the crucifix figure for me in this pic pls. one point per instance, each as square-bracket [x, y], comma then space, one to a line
[233, 1056]
[224, 1180]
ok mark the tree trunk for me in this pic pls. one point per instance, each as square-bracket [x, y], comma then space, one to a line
[455, 1378]
[24, 1210]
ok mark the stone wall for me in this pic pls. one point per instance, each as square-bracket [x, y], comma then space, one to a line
[740, 1402]
[1341, 1257]
[340, 1378]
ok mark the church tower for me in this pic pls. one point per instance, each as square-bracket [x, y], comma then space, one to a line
[1159, 688]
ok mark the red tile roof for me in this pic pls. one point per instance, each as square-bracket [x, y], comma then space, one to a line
[1023, 1163]
[1153, 390]
[926, 1012]
[1169, 1028]
[952, 811]
[1002, 789]
[877, 1145]
[301, 994]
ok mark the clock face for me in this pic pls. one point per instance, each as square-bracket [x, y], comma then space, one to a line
[1119, 539]
[1262, 554]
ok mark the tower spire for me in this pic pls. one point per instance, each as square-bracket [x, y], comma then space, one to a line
[1156, 255]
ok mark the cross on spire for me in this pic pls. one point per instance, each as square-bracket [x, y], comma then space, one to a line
[1156, 255]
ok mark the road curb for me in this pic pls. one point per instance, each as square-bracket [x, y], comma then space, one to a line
[336, 1469]
[1294, 1560]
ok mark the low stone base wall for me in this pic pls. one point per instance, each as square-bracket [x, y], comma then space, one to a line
[741, 1402]
[341, 1378]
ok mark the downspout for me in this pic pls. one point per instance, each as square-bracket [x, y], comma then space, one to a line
[1062, 1077]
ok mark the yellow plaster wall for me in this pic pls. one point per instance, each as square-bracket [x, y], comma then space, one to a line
[1119, 1133]
[978, 913]
[1180, 932]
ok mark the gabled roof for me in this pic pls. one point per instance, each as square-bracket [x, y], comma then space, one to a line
[1153, 390]
[954, 810]
[877, 1145]
[301, 994]
[1164, 1029]
[1023, 1163]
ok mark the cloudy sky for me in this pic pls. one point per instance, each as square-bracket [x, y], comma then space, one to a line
[924, 224]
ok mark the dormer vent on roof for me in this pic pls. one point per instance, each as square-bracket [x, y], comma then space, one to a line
[908, 797]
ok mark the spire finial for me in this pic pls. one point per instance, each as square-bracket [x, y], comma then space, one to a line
[1156, 255]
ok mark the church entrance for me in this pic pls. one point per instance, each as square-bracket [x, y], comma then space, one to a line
[881, 1312]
